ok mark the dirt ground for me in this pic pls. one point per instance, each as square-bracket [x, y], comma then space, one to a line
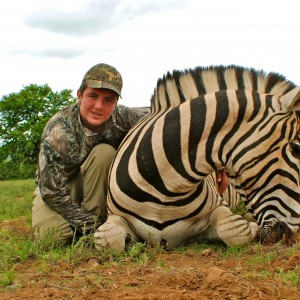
[170, 275]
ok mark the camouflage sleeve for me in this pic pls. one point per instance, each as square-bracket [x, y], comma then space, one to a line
[129, 116]
[53, 178]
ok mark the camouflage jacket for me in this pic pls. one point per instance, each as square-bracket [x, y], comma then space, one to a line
[65, 145]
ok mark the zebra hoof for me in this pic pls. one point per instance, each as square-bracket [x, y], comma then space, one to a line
[110, 236]
[115, 234]
[249, 217]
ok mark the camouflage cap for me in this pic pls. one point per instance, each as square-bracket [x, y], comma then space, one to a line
[104, 76]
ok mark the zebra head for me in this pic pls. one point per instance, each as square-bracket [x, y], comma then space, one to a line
[269, 178]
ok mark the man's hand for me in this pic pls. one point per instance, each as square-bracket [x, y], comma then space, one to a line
[222, 180]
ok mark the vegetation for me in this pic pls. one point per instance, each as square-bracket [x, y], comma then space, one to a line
[16, 248]
[23, 117]
[19, 250]
[15, 199]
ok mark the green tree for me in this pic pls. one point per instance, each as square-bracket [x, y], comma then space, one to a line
[23, 116]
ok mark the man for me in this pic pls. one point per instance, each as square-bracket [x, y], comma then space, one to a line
[77, 147]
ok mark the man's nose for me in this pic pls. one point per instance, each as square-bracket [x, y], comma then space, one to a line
[99, 104]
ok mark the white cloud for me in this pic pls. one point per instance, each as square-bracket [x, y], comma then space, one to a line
[56, 41]
[92, 18]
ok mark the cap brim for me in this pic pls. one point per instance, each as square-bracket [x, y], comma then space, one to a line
[97, 84]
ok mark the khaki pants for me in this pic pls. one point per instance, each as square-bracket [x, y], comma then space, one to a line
[88, 189]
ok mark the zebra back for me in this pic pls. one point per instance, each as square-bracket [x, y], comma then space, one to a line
[180, 86]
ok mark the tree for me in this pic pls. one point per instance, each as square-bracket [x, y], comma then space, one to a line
[23, 117]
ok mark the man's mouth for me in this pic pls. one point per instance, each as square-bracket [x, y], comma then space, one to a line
[97, 114]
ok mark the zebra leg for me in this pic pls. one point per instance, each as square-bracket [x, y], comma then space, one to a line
[231, 228]
[115, 234]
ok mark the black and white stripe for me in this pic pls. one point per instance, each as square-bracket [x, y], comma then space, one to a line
[202, 120]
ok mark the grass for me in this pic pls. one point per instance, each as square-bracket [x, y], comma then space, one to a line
[15, 199]
[16, 249]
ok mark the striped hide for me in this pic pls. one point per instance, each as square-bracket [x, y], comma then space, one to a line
[161, 183]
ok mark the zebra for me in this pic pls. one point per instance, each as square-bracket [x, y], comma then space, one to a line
[161, 184]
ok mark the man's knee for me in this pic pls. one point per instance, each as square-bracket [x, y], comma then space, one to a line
[48, 226]
[102, 155]
[49, 233]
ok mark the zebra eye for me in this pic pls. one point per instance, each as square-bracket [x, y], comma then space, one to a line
[295, 148]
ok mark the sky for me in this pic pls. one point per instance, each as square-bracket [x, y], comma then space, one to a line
[55, 42]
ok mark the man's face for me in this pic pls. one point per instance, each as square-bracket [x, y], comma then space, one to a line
[96, 106]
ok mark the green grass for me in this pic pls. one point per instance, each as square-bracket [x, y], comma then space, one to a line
[12, 251]
[16, 199]
[15, 249]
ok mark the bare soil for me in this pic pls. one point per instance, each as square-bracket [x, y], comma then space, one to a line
[170, 275]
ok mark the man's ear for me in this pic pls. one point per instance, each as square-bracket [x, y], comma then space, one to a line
[79, 97]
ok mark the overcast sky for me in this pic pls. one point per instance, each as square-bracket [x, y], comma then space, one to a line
[56, 41]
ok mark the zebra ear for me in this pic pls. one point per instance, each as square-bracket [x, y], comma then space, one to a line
[291, 100]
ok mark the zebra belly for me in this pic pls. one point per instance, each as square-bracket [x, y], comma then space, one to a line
[171, 233]
[171, 236]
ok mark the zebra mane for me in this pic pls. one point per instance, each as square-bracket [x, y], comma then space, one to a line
[180, 86]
